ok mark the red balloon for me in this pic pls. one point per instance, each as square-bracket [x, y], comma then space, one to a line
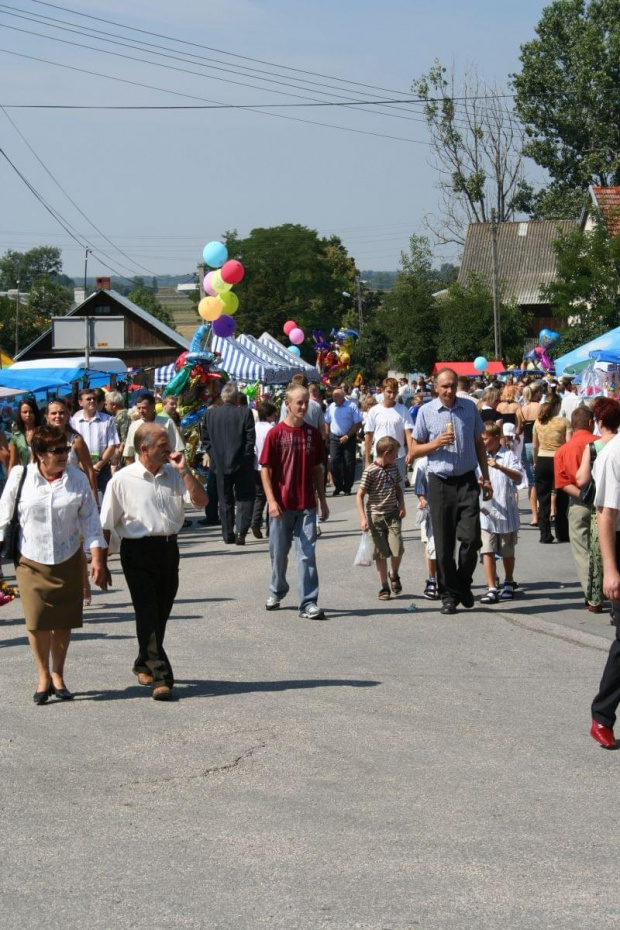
[180, 362]
[232, 271]
[289, 326]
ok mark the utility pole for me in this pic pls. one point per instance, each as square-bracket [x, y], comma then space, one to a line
[497, 329]
[17, 320]
[360, 301]
[86, 254]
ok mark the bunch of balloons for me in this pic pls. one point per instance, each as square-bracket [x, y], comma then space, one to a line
[220, 303]
[296, 336]
[333, 356]
[197, 383]
[538, 357]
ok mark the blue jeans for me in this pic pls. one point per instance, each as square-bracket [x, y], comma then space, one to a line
[300, 526]
[527, 460]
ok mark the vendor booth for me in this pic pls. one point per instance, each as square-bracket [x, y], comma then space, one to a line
[240, 363]
[574, 362]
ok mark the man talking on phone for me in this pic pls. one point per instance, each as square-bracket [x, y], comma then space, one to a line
[143, 504]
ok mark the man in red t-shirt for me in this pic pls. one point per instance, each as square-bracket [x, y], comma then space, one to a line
[292, 475]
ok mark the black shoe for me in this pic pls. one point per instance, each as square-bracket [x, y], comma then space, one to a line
[186, 523]
[230, 540]
[256, 532]
[62, 693]
[467, 600]
[336, 493]
[449, 607]
[240, 540]
[40, 697]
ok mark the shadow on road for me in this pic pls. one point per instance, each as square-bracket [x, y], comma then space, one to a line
[191, 688]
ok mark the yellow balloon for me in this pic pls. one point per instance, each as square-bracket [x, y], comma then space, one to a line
[219, 286]
[230, 301]
[210, 308]
[344, 357]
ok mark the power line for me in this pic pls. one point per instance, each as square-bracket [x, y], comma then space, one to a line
[59, 218]
[295, 119]
[68, 196]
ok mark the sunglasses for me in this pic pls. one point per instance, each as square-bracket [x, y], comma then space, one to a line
[59, 450]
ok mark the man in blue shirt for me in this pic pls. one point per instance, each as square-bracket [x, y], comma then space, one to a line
[449, 431]
[343, 419]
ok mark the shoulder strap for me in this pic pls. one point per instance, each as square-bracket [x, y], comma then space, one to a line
[14, 518]
[593, 453]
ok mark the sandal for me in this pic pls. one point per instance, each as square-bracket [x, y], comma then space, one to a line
[508, 591]
[384, 593]
[88, 598]
[491, 597]
[395, 583]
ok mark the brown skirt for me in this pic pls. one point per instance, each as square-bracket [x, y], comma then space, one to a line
[51, 594]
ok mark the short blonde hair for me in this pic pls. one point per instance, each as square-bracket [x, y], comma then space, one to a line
[295, 389]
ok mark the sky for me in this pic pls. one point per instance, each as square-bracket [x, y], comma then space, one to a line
[160, 183]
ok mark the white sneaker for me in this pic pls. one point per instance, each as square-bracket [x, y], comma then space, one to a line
[273, 602]
[312, 612]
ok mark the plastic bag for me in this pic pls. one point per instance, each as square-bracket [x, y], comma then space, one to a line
[364, 551]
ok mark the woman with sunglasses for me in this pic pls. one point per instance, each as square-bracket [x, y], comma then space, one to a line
[56, 507]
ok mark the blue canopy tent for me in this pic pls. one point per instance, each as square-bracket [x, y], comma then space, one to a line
[270, 357]
[574, 362]
[35, 380]
[289, 357]
[242, 365]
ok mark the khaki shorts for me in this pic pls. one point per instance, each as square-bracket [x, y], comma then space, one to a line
[502, 544]
[386, 535]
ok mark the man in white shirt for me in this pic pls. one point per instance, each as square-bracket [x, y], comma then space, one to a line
[570, 399]
[606, 474]
[389, 419]
[98, 430]
[143, 505]
[146, 410]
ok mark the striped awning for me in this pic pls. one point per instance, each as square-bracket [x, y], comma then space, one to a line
[267, 355]
[243, 365]
[289, 357]
[164, 374]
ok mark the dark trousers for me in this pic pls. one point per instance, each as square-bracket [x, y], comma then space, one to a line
[151, 567]
[606, 701]
[212, 510]
[561, 516]
[260, 502]
[342, 459]
[103, 478]
[455, 515]
[544, 487]
[236, 494]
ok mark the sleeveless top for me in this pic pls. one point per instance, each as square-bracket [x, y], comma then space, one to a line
[528, 431]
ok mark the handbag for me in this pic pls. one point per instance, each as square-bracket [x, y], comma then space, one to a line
[9, 548]
[588, 493]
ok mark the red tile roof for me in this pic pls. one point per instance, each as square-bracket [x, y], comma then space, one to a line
[608, 202]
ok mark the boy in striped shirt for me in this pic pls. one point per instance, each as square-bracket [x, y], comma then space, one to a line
[381, 482]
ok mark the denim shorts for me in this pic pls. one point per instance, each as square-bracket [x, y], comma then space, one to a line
[527, 461]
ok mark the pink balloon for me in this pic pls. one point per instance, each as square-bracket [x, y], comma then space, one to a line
[232, 272]
[207, 285]
[288, 327]
[296, 336]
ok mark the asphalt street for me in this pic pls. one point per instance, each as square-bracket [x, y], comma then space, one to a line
[386, 769]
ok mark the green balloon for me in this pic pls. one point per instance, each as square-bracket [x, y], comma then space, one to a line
[230, 301]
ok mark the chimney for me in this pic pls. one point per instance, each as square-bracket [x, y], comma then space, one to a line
[79, 295]
[102, 284]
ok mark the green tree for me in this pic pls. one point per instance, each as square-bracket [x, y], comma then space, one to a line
[567, 97]
[49, 298]
[409, 313]
[291, 273]
[31, 324]
[26, 267]
[465, 318]
[477, 151]
[145, 298]
[585, 296]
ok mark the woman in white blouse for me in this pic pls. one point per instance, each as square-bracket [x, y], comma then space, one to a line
[56, 507]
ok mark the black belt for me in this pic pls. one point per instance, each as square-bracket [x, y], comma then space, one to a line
[148, 539]
[452, 479]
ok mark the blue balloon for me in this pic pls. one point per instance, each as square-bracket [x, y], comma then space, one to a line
[199, 337]
[480, 363]
[295, 350]
[215, 254]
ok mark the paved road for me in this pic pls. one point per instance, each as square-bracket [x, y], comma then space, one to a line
[386, 769]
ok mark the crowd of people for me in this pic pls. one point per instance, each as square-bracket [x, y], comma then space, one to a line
[82, 484]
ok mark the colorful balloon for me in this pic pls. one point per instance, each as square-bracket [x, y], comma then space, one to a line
[290, 325]
[215, 254]
[232, 271]
[181, 360]
[230, 301]
[480, 363]
[224, 326]
[296, 336]
[207, 286]
[210, 308]
[218, 285]
[295, 350]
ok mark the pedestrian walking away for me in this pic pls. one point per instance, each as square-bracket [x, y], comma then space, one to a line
[343, 421]
[143, 505]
